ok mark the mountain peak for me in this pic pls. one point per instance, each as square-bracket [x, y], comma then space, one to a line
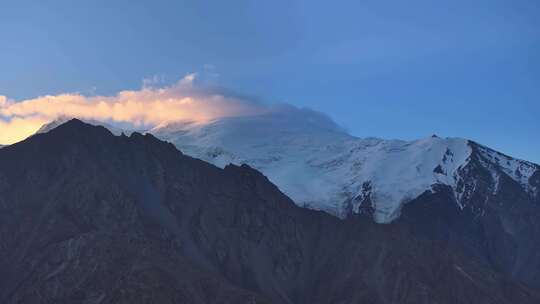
[77, 129]
[63, 119]
[76, 123]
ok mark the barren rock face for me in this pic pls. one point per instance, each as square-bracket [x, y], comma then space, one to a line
[88, 217]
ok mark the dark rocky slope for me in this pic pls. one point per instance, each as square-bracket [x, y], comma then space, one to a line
[87, 217]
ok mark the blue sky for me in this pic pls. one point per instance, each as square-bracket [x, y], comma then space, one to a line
[392, 69]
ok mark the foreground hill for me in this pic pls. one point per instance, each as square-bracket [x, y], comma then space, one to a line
[89, 217]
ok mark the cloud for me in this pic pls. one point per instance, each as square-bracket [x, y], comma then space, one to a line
[17, 129]
[146, 108]
[153, 81]
[142, 108]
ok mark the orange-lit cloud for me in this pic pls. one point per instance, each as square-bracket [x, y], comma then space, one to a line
[145, 107]
[18, 129]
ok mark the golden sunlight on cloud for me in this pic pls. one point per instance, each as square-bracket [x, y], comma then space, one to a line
[145, 107]
[18, 129]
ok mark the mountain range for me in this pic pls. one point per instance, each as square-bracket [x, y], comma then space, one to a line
[322, 167]
[90, 217]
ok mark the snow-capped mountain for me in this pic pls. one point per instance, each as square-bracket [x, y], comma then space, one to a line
[321, 166]
[130, 219]
[446, 189]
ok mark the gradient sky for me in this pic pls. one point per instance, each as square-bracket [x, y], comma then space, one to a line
[391, 69]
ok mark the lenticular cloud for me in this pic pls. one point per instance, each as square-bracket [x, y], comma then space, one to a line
[146, 107]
